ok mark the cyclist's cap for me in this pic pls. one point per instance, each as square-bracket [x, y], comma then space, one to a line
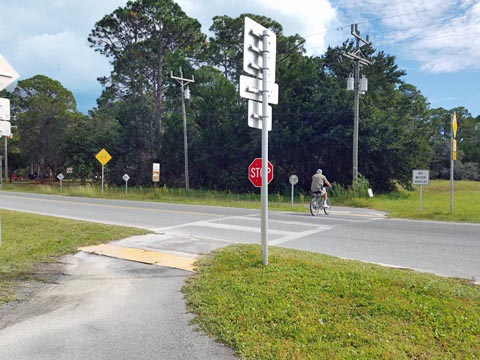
[319, 171]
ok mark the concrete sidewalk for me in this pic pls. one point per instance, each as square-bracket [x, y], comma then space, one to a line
[107, 308]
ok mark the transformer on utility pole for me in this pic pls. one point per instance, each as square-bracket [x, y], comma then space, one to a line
[359, 85]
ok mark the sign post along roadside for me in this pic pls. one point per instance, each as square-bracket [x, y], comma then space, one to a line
[259, 56]
[293, 181]
[453, 157]
[421, 177]
[156, 172]
[60, 177]
[125, 178]
[103, 158]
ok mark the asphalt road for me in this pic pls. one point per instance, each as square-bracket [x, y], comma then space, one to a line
[449, 249]
[106, 308]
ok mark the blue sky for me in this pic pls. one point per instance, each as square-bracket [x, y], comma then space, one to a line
[436, 41]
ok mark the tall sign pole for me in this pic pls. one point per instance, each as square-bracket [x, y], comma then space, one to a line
[6, 157]
[265, 120]
[453, 157]
[259, 60]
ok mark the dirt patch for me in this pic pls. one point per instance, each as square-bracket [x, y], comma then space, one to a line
[42, 275]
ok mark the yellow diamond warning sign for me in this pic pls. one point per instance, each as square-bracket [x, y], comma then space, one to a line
[103, 157]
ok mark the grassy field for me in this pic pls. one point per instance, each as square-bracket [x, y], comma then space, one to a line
[401, 204]
[29, 240]
[310, 306]
[435, 202]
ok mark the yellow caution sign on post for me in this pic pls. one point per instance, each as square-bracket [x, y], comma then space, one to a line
[454, 125]
[103, 157]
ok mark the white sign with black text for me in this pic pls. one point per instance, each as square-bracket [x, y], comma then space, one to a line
[421, 177]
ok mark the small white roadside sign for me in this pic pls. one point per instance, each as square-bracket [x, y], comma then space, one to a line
[60, 177]
[421, 177]
[293, 181]
[125, 178]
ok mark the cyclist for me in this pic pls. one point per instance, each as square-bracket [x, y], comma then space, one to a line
[318, 186]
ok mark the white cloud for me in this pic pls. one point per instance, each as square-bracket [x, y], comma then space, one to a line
[64, 56]
[310, 19]
[443, 36]
[303, 17]
[49, 37]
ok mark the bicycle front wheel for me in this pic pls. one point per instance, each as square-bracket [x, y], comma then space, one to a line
[327, 209]
[314, 207]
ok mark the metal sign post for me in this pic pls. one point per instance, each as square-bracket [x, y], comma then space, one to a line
[293, 181]
[126, 178]
[421, 177]
[103, 157]
[259, 54]
[453, 157]
[60, 177]
[156, 173]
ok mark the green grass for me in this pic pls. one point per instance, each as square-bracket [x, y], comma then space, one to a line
[29, 240]
[311, 306]
[435, 202]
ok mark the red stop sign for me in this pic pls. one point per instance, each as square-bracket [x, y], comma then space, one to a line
[255, 172]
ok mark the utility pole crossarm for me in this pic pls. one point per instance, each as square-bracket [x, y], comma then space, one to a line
[180, 79]
[354, 31]
[361, 59]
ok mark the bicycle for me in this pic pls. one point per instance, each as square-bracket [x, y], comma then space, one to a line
[316, 207]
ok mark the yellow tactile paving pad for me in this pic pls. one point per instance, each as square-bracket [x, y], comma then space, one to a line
[143, 256]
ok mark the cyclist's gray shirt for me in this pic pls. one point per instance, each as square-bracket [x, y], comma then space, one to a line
[318, 180]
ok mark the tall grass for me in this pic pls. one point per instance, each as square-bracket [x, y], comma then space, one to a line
[351, 195]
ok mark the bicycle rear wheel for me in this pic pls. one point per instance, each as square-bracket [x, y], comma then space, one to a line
[327, 210]
[314, 206]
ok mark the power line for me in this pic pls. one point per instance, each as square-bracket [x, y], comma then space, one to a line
[343, 27]
[444, 21]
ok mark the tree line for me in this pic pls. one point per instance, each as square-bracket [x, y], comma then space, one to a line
[138, 116]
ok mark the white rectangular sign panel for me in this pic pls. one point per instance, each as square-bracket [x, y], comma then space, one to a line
[251, 88]
[421, 177]
[255, 115]
[253, 48]
[156, 172]
[5, 128]
[4, 109]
